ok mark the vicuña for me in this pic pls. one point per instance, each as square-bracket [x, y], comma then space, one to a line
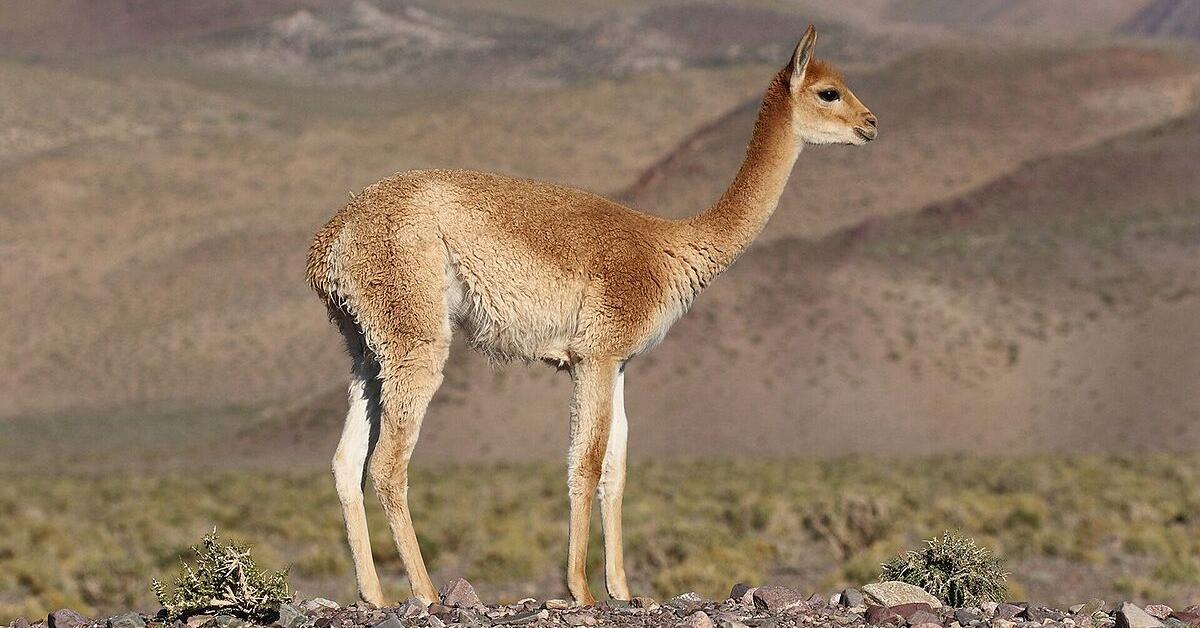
[536, 271]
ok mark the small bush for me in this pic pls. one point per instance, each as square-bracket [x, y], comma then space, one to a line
[952, 568]
[225, 579]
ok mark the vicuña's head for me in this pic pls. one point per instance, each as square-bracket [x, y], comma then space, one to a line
[824, 110]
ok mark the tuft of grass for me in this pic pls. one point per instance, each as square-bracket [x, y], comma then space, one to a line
[952, 568]
[225, 579]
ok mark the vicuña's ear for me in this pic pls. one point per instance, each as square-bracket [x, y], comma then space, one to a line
[800, 58]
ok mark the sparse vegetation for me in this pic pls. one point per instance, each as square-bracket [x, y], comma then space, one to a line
[1119, 527]
[225, 579]
[953, 568]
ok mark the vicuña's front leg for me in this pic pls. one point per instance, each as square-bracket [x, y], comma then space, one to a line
[612, 489]
[591, 414]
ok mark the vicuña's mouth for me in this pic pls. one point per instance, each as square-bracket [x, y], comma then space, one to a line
[865, 134]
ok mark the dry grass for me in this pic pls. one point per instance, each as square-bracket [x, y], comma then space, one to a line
[94, 543]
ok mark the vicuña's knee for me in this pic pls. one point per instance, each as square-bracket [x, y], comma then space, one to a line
[347, 477]
[584, 475]
[391, 482]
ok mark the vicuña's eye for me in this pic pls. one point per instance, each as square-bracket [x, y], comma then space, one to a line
[829, 95]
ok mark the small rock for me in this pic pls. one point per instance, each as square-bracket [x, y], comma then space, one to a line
[739, 591]
[390, 622]
[578, 619]
[852, 598]
[195, 621]
[128, 620]
[816, 601]
[519, 619]
[1187, 616]
[1159, 611]
[614, 605]
[1130, 616]
[469, 621]
[698, 620]
[318, 604]
[927, 624]
[459, 592]
[879, 614]
[438, 608]
[907, 610]
[965, 616]
[19, 622]
[1008, 611]
[290, 616]
[924, 617]
[731, 622]
[323, 622]
[412, 607]
[434, 622]
[685, 600]
[229, 621]
[1041, 615]
[557, 605]
[777, 599]
[645, 602]
[895, 592]
[66, 618]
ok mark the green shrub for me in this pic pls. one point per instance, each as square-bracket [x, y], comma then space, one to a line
[952, 568]
[225, 579]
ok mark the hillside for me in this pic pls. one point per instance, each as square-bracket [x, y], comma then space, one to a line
[1165, 18]
[157, 205]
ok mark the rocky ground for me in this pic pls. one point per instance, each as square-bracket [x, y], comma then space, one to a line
[893, 604]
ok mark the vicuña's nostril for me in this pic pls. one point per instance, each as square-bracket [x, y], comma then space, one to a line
[871, 121]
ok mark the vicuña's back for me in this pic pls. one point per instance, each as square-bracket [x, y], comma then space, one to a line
[521, 258]
[536, 271]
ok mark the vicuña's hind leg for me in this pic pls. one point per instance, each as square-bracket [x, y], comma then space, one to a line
[406, 394]
[591, 411]
[349, 463]
[612, 490]
[401, 307]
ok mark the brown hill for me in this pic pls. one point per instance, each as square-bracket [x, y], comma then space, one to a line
[1063, 18]
[1165, 18]
[415, 47]
[54, 26]
[155, 251]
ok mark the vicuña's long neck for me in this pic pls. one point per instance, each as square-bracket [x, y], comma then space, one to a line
[720, 233]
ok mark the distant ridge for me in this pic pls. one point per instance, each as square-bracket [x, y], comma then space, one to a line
[1166, 18]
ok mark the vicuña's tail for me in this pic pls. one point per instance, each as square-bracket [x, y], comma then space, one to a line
[324, 259]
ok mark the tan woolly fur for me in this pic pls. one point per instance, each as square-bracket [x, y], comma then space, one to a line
[536, 271]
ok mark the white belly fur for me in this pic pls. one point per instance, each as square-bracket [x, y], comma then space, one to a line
[533, 325]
